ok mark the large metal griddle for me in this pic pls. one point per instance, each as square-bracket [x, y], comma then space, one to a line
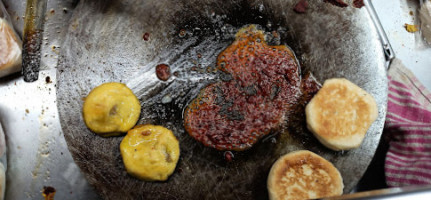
[105, 43]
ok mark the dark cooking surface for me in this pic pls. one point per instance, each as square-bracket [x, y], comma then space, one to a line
[105, 43]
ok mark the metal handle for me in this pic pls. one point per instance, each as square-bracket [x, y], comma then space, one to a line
[32, 40]
[387, 48]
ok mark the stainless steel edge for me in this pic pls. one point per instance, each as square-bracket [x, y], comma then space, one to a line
[387, 48]
[37, 152]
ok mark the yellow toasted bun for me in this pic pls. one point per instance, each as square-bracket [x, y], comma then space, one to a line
[150, 152]
[303, 175]
[111, 109]
[340, 114]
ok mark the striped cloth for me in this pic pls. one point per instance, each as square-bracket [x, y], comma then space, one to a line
[408, 129]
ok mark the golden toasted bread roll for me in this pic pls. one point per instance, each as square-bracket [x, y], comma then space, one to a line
[111, 109]
[150, 152]
[303, 175]
[340, 114]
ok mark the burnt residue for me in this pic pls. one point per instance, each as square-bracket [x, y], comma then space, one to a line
[301, 6]
[48, 192]
[358, 3]
[163, 72]
[146, 36]
[31, 55]
[32, 39]
[224, 21]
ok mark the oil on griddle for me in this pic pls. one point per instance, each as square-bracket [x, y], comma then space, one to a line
[264, 89]
[105, 43]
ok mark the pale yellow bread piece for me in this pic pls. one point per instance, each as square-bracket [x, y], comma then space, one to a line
[340, 114]
[150, 152]
[303, 175]
[111, 109]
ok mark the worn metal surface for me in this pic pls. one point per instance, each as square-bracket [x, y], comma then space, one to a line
[37, 151]
[104, 43]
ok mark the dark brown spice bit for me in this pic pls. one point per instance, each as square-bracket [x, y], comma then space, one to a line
[301, 6]
[48, 80]
[358, 3]
[228, 155]
[163, 72]
[113, 110]
[182, 33]
[146, 36]
[146, 133]
[48, 192]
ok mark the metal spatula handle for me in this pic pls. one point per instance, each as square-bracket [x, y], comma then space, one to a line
[387, 48]
[32, 39]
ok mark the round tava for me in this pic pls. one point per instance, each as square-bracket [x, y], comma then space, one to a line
[123, 41]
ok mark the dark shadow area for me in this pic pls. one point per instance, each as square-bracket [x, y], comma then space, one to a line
[374, 177]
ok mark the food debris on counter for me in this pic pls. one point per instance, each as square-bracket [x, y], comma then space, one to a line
[411, 28]
[55, 49]
[48, 80]
[48, 192]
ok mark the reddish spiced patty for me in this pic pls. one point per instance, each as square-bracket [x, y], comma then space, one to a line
[265, 83]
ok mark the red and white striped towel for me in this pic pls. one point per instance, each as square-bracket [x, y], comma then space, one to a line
[408, 128]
